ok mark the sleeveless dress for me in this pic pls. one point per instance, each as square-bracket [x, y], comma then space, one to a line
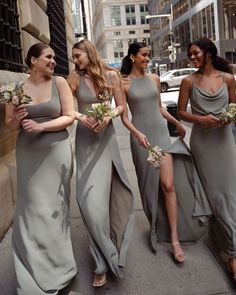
[103, 191]
[215, 157]
[42, 248]
[191, 201]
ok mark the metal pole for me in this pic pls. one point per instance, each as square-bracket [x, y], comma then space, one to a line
[84, 18]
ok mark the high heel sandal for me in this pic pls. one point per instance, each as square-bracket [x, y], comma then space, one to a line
[99, 280]
[178, 255]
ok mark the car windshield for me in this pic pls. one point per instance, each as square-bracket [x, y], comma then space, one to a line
[166, 73]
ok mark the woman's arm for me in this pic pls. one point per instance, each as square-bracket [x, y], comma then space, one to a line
[184, 95]
[67, 112]
[14, 116]
[142, 139]
[164, 112]
[117, 93]
[231, 87]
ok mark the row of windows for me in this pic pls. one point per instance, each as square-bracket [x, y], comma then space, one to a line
[118, 47]
[133, 32]
[130, 14]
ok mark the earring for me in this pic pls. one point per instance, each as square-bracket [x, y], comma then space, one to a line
[132, 60]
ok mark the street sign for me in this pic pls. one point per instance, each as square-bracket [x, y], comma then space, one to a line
[172, 57]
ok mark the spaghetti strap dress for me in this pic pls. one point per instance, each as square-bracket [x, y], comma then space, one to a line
[103, 191]
[42, 248]
[193, 208]
[215, 157]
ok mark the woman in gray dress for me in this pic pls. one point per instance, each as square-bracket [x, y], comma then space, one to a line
[103, 191]
[43, 254]
[148, 127]
[211, 89]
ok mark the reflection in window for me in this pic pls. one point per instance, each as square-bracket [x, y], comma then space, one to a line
[203, 23]
[115, 15]
[118, 50]
[229, 14]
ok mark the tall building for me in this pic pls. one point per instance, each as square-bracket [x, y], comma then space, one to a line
[117, 23]
[192, 19]
[81, 18]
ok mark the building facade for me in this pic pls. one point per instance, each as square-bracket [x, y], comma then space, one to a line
[116, 24]
[192, 19]
[23, 23]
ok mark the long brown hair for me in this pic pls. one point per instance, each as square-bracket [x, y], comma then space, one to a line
[97, 66]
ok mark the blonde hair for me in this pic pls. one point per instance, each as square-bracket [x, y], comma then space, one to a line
[97, 66]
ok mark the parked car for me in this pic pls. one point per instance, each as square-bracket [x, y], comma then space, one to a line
[174, 78]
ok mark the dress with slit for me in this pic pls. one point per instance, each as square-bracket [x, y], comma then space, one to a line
[103, 191]
[193, 208]
[42, 248]
[215, 157]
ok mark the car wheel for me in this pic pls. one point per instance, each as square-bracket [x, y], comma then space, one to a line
[164, 87]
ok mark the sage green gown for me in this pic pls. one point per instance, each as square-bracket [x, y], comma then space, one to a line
[103, 191]
[214, 152]
[42, 248]
[193, 207]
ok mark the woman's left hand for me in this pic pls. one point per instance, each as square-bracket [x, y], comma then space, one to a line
[31, 126]
[102, 125]
[181, 130]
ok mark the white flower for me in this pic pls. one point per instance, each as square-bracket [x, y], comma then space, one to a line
[11, 86]
[155, 156]
[7, 96]
[15, 100]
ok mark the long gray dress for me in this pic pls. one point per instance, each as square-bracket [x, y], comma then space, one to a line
[192, 204]
[103, 191]
[42, 248]
[215, 157]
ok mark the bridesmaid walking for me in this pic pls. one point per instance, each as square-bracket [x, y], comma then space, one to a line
[148, 127]
[43, 254]
[211, 89]
[103, 191]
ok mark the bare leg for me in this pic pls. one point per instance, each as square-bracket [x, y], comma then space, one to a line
[167, 185]
[99, 280]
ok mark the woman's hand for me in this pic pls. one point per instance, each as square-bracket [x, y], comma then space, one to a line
[102, 125]
[88, 121]
[181, 130]
[211, 121]
[20, 113]
[142, 140]
[32, 126]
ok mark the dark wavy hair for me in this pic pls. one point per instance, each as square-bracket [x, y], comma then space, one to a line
[207, 46]
[127, 64]
[35, 51]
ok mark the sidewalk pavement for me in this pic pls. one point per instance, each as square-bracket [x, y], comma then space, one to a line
[145, 272]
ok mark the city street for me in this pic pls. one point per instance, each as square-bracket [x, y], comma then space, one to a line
[145, 272]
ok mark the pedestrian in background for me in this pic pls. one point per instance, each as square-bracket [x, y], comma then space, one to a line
[43, 255]
[210, 89]
[103, 191]
[149, 128]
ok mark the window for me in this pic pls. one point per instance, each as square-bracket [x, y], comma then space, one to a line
[130, 15]
[146, 31]
[117, 33]
[131, 32]
[118, 50]
[115, 15]
[143, 13]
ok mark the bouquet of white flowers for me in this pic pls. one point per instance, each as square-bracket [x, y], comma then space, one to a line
[229, 113]
[11, 93]
[155, 156]
[103, 108]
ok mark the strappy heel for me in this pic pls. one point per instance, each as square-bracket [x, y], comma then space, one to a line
[178, 255]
